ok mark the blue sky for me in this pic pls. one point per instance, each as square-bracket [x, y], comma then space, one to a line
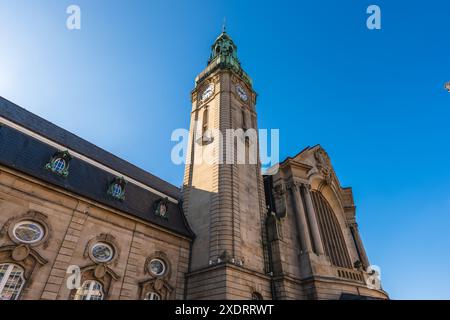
[373, 99]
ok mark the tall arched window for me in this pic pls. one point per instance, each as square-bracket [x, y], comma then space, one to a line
[151, 295]
[11, 281]
[244, 120]
[205, 120]
[331, 232]
[90, 290]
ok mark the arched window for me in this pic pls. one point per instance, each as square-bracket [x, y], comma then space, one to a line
[90, 290]
[152, 296]
[331, 232]
[244, 121]
[256, 296]
[116, 190]
[206, 138]
[11, 281]
[59, 165]
[205, 120]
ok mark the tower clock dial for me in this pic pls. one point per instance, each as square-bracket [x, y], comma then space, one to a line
[241, 93]
[207, 92]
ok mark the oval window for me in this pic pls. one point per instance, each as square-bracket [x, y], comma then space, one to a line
[102, 252]
[58, 165]
[28, 232]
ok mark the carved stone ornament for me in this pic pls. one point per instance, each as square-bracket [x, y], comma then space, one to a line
[158, 284]
[323, 164]
[20, 253]
[280, 200]
[100, 271]
[165, 259]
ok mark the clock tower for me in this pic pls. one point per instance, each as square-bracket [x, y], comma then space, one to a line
[223, 192]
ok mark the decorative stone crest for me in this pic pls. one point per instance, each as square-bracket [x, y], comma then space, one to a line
[158, 284]
[323, 164]
[20, 253]
[100, 271]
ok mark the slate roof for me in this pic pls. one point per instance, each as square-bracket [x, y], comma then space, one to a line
[29, 155]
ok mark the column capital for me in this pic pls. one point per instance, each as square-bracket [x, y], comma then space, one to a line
[306, 186]
[352, 223]
[296, 183]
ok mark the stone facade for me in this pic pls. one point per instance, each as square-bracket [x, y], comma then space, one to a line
[303, 245]
[70, 208]
[316, 249]
[72, 225]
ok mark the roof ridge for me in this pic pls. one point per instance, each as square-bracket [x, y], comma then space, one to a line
[51, 131]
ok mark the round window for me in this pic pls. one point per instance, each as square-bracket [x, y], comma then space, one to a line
[157, 267]
[28, 232]
[59, 165]
[102, 252]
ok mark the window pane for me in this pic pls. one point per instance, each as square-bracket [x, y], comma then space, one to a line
[11, 281]
[28, 232]
[102, 252]
[59, 165]
[90, 290]
[152, 296]
[157, 267]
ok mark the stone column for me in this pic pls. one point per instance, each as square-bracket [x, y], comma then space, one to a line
[318, 245]
[359, 245]
[302, 224]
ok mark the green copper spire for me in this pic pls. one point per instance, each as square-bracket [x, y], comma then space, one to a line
[225, 49]
[224, 55]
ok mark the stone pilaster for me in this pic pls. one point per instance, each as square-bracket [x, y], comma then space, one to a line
[312, 217]
[58, 273]
[300, 218]
[129, 289]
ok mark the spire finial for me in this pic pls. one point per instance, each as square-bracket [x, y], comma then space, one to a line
[224, 24]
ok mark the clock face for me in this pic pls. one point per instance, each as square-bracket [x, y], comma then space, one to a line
[207, 92]
[241, 92]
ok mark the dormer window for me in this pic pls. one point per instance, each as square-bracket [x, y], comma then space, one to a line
[117, 188]
[59, 163]
[161, 208]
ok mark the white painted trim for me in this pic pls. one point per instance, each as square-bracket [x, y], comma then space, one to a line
[83, 158]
